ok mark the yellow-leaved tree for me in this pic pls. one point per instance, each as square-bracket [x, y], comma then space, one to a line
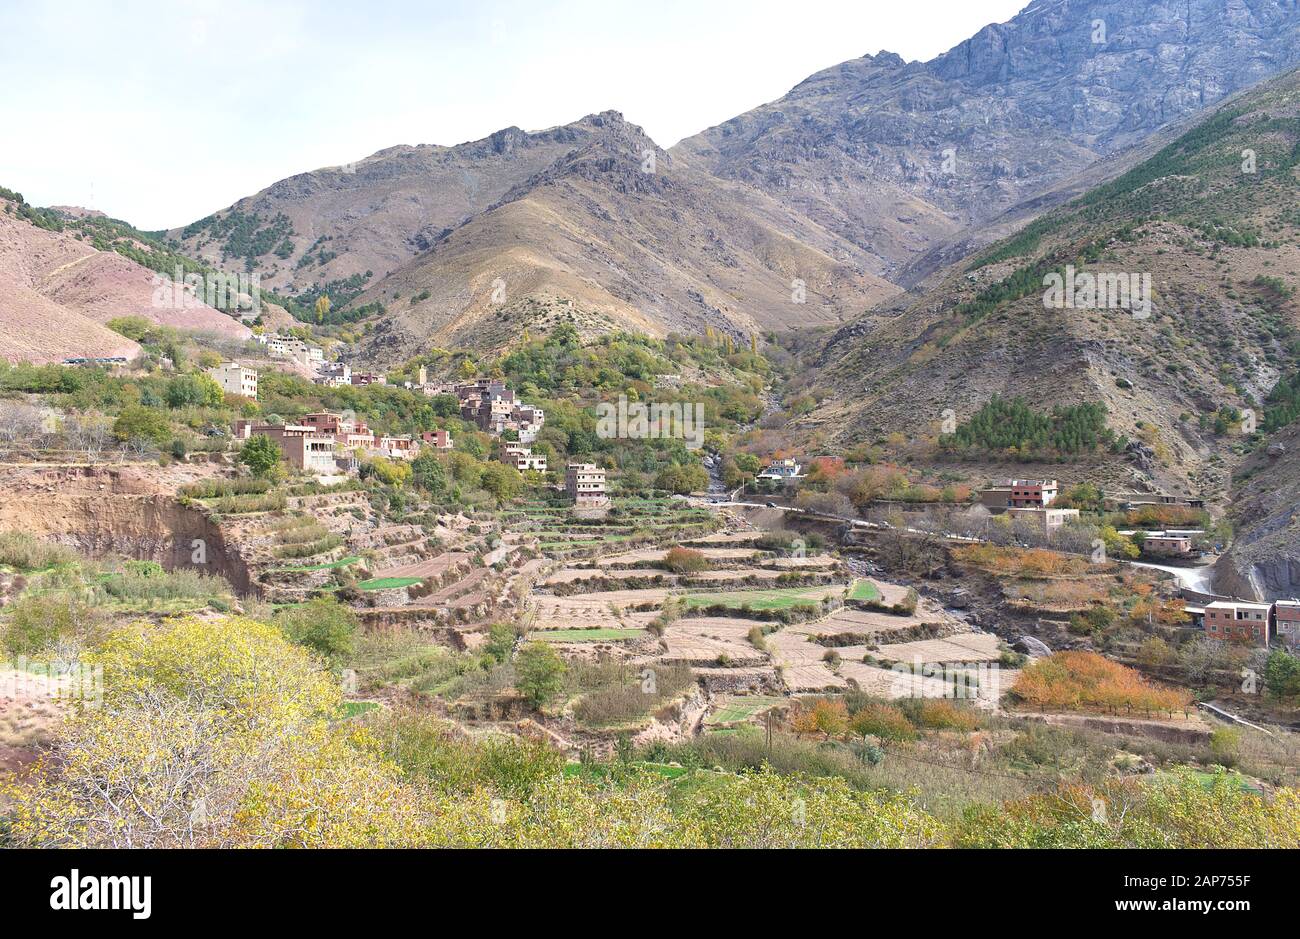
[210, 733]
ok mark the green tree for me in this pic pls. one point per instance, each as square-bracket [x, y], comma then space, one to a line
[193, 391]
[137, 422]
[682, 480]
[501, 642]
[540, 672]
[502, 481]
[429, 474]
[261, 454]
[132, 327]
[323, 625]
[1282, 675]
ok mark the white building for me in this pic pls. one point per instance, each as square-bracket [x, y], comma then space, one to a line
[522, 458]
[585, 484]
[235, 379]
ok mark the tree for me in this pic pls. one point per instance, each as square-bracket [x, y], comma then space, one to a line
[89, 433]
[503, 482]
[210, 734]
[501, 642]
[322, 307]
[390, 472]
[429, 474]
[1117, 545]
[261, 454]
[323, 625]
[132, 327]
[1282, 675]
[824, 716]
[540, 672]
[193, 391]
[140, 423]
[682, 480]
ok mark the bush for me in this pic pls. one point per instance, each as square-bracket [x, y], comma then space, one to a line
[27, 553]
[1081, 680]
[940, 714]
[146, 580]
[39, 621]
[632, 697]
[1225, 744]
[825, 715]
[882, 720]
[681, 560]
[501, 641]
[137, 422]
[216, 488]
[323, 625]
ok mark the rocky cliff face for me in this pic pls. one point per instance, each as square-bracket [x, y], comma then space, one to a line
[1264, 560]
[108, 511]
[897, 157]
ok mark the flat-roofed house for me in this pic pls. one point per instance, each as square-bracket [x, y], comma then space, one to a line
[522, 458]
[303, 446]
[438, 439]
[1167, 544]
[1031, 493]
[398, 446]
[1286, 622]
[1238, 621]
[585, 484]
[1049, 519]
[235, 379]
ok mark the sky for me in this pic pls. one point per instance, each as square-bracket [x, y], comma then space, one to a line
[161, 112]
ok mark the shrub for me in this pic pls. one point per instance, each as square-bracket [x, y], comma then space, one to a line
[37, 622]
[27, 553]
[941, 714]
[825, 715]
[681, 560]
[1225, 744]
[631, 696]
[323, 625]
[1075, 680]
[137, 422]
[146, 580]
[216, 488]
[882, 720]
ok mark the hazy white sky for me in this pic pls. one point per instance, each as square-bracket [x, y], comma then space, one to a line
[163, 112]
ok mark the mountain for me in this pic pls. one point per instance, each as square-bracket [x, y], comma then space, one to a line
[1210, 221]
[374, 215]
[899, 157]
[617, 234]
[57, 293]
[871, 173]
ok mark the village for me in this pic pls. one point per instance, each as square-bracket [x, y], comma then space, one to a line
[327, 444]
